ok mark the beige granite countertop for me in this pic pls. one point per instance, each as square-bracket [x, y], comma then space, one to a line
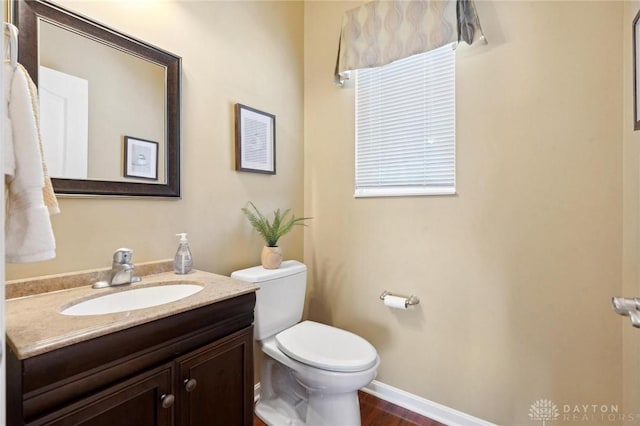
[34, 324]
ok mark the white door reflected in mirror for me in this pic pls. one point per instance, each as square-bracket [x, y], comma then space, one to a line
[64, 123]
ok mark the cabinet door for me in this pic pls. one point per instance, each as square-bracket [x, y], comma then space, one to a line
[144, 400]
[215, 383]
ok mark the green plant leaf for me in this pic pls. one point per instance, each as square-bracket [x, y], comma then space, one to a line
[272, 231]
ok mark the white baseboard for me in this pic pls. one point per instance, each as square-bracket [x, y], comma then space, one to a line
[414, 403]
[424, 407]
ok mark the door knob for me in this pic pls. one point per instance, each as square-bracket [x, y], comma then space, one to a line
[627, 306]
[190, 384]
[167, 400]
[622, 305]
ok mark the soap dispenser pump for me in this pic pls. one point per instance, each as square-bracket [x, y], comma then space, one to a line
[183, 262]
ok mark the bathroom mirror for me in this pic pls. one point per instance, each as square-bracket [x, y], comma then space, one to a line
[110, 104]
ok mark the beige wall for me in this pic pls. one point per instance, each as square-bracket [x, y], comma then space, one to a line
[516, 272]
[247, 52]
[631, 220]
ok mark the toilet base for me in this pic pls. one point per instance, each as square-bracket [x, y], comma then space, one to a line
[322, 410]
[282, 400]
[333, 410]
[273, 414]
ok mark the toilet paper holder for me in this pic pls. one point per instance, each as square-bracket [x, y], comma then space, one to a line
[408, 301]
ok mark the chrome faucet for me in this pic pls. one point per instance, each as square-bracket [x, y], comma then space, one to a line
[121, 270]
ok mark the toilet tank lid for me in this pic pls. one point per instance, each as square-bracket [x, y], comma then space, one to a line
[258, 274]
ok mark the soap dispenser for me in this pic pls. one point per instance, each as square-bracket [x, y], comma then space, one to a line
[183, 262]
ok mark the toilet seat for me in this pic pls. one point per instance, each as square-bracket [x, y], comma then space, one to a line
[327, 348]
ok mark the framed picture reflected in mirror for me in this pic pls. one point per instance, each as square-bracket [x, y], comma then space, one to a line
[140, 158]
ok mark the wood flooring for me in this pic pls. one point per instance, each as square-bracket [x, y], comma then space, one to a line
[377, 412]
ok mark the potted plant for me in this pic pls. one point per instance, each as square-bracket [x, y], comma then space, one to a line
[271, 232]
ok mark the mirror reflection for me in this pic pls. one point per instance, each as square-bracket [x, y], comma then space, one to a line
[90, 102]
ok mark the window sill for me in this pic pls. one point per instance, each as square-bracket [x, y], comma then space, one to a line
[402, 192]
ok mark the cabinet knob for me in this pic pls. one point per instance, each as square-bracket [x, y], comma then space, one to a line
[190, 384]
[167, 400]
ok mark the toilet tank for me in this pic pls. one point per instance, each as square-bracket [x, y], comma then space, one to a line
[280, 299]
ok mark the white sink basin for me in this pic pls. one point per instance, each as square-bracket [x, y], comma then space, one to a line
[129, 300]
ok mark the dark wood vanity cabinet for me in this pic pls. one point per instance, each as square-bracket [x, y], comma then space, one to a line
[194, 368]
[213, 384]
[137, 401]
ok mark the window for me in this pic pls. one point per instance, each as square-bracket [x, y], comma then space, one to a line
[405, 126]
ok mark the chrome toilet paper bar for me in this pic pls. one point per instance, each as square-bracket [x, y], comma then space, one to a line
[408, 301]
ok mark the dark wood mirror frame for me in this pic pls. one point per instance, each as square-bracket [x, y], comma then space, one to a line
[635, 31]
[25, 16]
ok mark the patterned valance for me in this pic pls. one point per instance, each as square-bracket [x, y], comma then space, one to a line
[383, 31]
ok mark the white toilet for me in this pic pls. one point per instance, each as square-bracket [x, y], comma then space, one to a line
[310, 372]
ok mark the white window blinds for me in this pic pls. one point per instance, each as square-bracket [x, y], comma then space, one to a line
[405, 126]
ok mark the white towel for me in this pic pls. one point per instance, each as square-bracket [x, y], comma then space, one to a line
[48, 194]
[28, 232]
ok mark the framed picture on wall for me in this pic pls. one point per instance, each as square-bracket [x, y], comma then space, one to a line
[255, 140]
[140, 158]
[636, 71]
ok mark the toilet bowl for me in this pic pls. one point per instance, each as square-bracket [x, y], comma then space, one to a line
[324, 397]
[310, 372]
